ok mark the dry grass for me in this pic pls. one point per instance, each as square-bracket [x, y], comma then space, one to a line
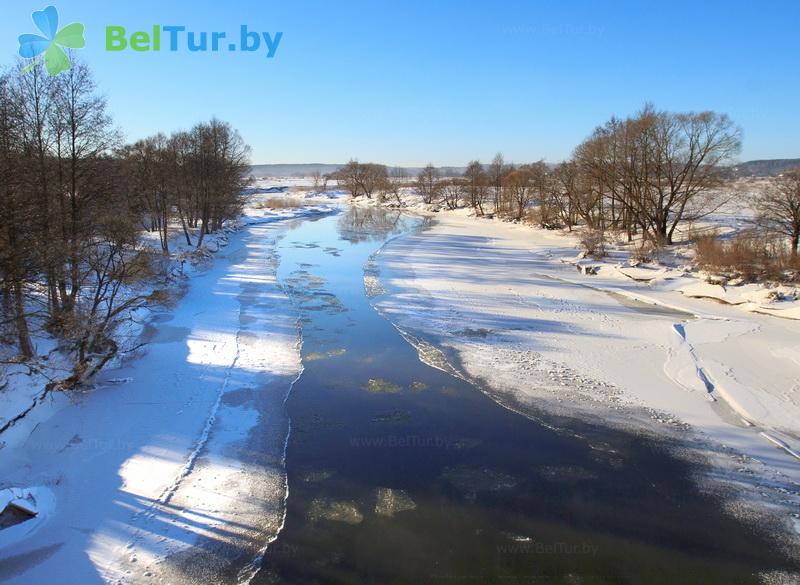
[280, 203]
[645, 251]
[532, 217]
[594, 242]
[749, 255]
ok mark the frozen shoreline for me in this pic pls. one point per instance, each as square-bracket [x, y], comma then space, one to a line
[722, 382]
[172, 467]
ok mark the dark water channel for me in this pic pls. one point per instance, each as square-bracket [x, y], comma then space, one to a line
[401, 473]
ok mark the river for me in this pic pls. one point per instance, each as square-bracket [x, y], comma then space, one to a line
[400, 472]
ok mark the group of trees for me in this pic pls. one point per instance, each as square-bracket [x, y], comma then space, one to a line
[650, 172]
[61, 232]
[193, 177]
[73, 201]
[367, 179]
[642, 175]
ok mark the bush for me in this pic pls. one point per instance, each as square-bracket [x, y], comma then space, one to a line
[594, 242]
[280, 203]
[532, 217]
[750, 256]
[646, 252]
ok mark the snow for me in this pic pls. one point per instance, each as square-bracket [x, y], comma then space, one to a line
[626, 344]
[778, 301]
[174, 463]
[22, 388]
[37, 500]
[178, 450]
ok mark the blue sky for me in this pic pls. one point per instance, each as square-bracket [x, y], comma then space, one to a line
[447, 81]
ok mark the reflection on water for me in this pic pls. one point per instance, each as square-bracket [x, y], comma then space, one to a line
[364, 224]
[401, 473]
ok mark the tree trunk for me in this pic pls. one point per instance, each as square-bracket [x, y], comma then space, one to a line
[21, 323]
[203, 231]
[23, 334]
[186, 231]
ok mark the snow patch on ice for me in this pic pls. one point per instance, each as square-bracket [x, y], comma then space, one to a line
[38, 501]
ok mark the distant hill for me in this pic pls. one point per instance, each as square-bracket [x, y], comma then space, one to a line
[765, 168]
[292, 170]
[751, 168]
[305, 170]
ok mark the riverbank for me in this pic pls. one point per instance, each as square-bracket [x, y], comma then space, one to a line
[172, 467]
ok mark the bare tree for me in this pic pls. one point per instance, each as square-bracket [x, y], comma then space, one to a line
[521, 188]
[114, 266]
[398, 178]
[779, 208]
[373, 178]
[453, 191]
[72, 204]
[177, 158]
[684, 158]
[655, 170]
[567, 187]
[362, 178]
[477, 185]
[32, 95]
[83, 134]
[218, 166]
[497, 170]
[17, 229]
[347, 176]
[148, 165]
[316, 177]
[428, 184]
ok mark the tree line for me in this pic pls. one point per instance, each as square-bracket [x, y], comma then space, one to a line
[645, 175]
[74, 200]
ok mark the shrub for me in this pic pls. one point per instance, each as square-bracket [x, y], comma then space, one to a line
[750, 256]
[594, 242]
[280, 203]
[646, 252]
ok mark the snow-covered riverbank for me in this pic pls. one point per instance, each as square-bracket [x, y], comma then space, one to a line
[178, 450]
[497, 296]
[172, 468]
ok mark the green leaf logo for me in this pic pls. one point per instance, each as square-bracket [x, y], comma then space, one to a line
[51, 44]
